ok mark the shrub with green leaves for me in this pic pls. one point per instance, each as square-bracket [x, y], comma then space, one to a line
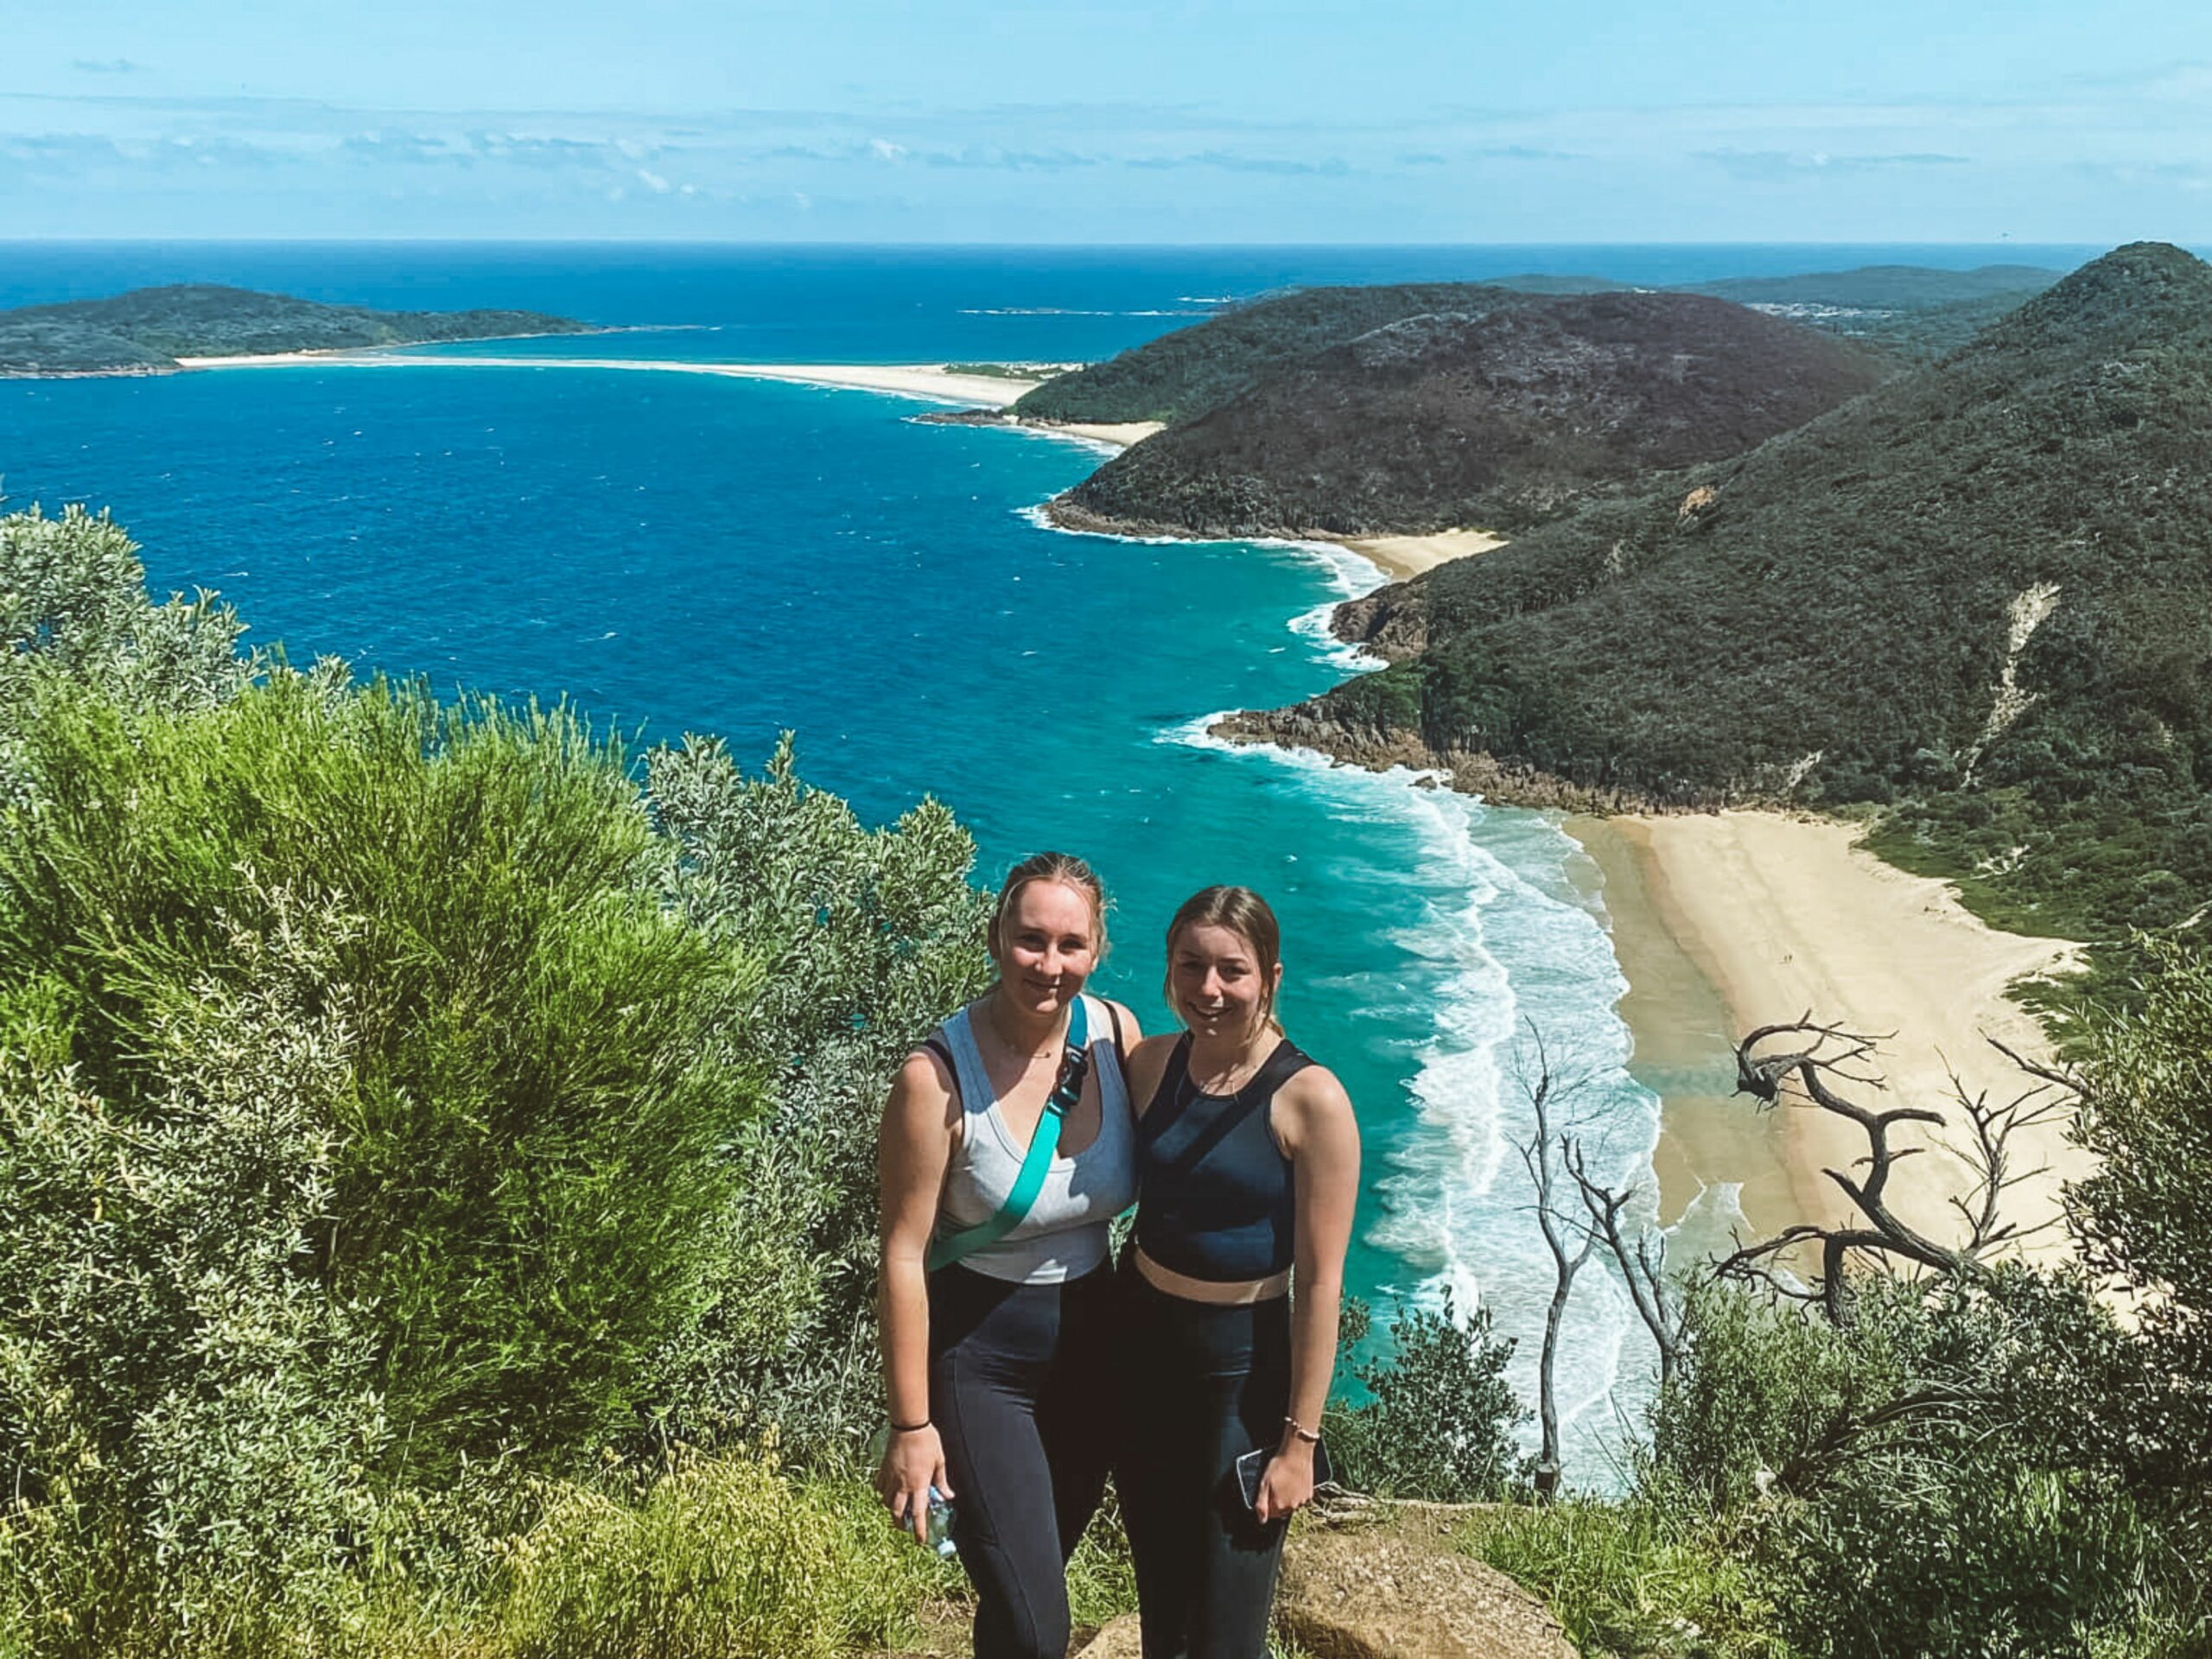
[867, 937]
[1933, 1477]
[2145, 1216]
[1438, 1420]
[188, 1416]
[522, 1162]
[74, 613]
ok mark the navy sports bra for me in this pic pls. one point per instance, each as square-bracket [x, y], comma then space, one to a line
[1215, 1198]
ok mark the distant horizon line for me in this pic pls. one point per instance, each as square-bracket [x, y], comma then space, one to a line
[950, 247]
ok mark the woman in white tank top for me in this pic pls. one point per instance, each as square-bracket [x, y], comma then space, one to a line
[997, 1365]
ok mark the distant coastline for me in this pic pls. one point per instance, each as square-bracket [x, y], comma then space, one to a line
[158, 330]
[322, 354]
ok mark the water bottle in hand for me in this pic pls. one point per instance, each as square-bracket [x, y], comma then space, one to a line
[938, 1529]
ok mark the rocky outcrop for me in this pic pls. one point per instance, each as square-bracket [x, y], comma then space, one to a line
[1392, 622]
[1395, 1590]
[1311, 726]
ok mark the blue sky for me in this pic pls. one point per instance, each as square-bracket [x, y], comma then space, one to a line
[1213, 121]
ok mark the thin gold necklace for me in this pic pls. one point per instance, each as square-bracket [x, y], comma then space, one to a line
[1028, 1057]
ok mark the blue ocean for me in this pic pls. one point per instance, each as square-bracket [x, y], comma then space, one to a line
[683, 554]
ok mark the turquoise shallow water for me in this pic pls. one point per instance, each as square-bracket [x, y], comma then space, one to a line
[683, 553]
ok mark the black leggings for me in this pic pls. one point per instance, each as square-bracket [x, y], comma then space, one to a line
[1204, 1385]
[1021, 1388]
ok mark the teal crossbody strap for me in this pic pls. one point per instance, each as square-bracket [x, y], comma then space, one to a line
[1036, 1162]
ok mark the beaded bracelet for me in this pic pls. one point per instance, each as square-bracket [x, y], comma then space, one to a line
[1311, 1436]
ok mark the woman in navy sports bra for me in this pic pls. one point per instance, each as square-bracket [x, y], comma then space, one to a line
[1007, 1148]
[1248, 1169]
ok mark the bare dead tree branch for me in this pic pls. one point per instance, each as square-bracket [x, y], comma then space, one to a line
[1643, 1264]
[1540, 1154]
[1823, 1058]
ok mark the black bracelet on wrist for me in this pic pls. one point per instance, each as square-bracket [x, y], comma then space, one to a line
[910, 1428]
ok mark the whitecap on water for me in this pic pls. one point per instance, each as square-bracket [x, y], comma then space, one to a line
[1500, 947]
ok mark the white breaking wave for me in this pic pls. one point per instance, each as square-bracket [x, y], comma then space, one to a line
[1501, 941]
[1353, 576]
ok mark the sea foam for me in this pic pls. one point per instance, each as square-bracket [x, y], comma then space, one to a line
[1511, 970]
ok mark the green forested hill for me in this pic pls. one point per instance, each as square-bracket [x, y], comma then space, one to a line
[1898, 288]
[146, 329]
[1180, 376]
[1907, 310]
[1982, 592]
[1912, 312]
[1498, 420]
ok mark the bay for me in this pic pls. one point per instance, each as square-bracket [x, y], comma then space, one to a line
[678, 553]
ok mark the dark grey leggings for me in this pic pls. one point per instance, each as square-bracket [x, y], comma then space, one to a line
[1204, 1385]
[1021, 1387]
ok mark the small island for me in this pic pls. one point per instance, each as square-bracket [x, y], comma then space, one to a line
[148, 330]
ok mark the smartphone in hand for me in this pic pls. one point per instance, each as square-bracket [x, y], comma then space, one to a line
[1253, 1464]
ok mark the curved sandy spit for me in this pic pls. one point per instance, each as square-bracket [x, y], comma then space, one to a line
[932, 381]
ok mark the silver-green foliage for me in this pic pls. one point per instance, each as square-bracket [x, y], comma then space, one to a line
[377, 1113]
[866, 937]
[188, 1416]
[73, 610]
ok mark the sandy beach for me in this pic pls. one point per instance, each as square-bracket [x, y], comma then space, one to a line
[1119, 433]
[1403, 556]
[933, 381]
[1726, 921]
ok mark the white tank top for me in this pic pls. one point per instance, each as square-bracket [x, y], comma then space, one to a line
[1064, 1235]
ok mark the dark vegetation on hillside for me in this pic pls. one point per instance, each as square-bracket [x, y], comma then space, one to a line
[1902, 309]
[1541, 281]
[1981, 594]
[146, 330]
[1912, 313]
[1180, 376]
[1912, 338]
[1498, 419]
